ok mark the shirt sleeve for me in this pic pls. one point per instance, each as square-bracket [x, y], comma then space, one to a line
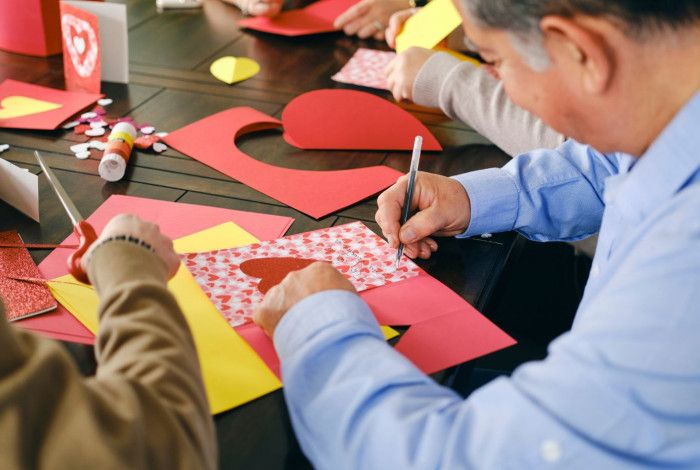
[466, 92]
[146, 405]
[618, 392]
[533, 193]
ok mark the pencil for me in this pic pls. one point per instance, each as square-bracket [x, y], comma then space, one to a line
[413, 170]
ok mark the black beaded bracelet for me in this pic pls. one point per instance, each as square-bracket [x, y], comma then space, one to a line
[130, 239]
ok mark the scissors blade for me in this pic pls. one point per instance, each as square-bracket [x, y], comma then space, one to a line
[66, 201]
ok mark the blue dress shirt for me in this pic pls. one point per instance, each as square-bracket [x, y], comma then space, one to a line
[620, 390]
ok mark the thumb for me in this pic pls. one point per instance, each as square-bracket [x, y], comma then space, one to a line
[422, 225]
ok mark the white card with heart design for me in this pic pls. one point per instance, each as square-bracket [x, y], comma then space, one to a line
[95, 44]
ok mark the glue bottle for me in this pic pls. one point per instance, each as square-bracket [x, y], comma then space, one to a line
[117, 151]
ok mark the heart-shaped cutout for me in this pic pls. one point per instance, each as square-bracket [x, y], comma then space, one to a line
[19, 106]
[234, 69]
[351, 120]
[79, 44]
[272, 271]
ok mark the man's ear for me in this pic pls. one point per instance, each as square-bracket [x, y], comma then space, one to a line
[581, 48]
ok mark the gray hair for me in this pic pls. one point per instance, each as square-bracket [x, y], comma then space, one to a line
[521, 18]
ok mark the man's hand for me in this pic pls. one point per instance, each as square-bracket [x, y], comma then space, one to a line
[401, 72]
[443, 210]
[130, 225]
[294, 288]
[368, 18]
[396, 23]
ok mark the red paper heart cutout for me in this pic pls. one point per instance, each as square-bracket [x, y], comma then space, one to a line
[351, 120]
[272, 271]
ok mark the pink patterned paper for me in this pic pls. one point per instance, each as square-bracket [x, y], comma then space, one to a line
[363, 257]
[366, 68]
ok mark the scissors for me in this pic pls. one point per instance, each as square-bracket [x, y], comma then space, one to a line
[82, 229]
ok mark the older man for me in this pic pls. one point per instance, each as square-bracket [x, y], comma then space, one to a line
[622, 388]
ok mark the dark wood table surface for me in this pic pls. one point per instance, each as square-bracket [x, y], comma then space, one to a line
[170, 86]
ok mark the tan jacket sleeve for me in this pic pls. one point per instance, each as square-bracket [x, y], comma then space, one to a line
[146, 406]
[468, 93]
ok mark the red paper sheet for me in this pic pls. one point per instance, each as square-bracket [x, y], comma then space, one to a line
[351, 120]
[441, 342]
[445, 329]
[175, 220]
[315, 18]
[81, 49]
[30, 27]
[316, 193]
[27, 106]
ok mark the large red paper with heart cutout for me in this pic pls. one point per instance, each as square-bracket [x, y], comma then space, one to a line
[236, 279]
[316, 193]
[27, 106]
[315, 18]
[81, 49]
[351, 120]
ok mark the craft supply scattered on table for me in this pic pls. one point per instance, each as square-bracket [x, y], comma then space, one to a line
[333, 119]
[318, 17]
[234, 69]
[117, 151]
[235, 280]
[366, 68]
[318, 193]
[28, 106]
[21, 299]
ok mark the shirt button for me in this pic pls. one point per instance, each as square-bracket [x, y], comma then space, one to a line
[550, 451]
[595, 270]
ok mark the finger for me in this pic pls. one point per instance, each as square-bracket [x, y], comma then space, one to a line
[351, 14]
[353, 27]
[432, 244]
[368, 30]
[421, 225]
[379, 35]
[388, 216]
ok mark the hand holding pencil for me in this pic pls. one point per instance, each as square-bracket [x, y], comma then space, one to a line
[441, 207]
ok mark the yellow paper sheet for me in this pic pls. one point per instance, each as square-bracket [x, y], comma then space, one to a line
[233, 373]
[220, 237]
[433, 23]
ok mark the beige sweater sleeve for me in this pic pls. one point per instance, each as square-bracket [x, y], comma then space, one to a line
[466, 92]
[146, 406]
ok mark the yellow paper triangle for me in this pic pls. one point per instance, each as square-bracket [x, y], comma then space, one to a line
[19, 106]
[234, 69]
[433, 23]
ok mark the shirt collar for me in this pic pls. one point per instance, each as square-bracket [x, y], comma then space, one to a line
[668, 164]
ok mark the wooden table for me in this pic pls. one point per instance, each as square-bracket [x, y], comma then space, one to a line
[170, 86]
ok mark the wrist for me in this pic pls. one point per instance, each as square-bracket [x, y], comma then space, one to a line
[122, 238]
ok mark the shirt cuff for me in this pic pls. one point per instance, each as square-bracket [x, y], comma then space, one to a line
[319, 312]
[430, 79]
[493, 197]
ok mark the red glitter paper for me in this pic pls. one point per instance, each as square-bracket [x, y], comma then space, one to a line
[21, 299]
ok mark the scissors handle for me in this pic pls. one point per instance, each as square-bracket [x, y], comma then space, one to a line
[86, 237]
